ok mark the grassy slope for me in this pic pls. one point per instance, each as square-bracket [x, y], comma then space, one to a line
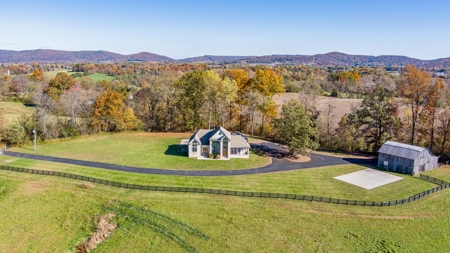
[14, 110]
[317, 182]
[49, 214]
[149, 150]
[97, 77]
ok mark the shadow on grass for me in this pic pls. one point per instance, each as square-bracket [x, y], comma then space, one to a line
[176, 150]
[373, 162]
[19, 148]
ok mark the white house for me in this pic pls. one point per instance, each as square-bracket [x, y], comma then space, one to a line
[218, 142]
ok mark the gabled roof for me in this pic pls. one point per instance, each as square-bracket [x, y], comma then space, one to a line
[401, 150]
[204, 136]
[238, 141]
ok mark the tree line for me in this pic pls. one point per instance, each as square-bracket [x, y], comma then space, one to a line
[411, 107]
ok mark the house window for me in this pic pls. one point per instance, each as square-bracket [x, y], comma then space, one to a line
[239, 151]
[216, 147]
[194, 147]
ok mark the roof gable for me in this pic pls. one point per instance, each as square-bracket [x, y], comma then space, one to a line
[401, 150]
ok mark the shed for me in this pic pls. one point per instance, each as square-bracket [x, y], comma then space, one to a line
[405, 158]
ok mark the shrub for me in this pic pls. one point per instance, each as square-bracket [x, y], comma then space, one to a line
[211, 156]
[217, 156]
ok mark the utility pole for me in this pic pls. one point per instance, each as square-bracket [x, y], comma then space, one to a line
[34, 132]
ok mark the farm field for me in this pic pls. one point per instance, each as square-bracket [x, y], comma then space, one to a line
[52, 74]
[51, 214]
[342, 105]
[13, 110]
[148, 150]
[98, 77]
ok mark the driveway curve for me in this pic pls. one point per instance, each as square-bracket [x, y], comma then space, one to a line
[277, 165]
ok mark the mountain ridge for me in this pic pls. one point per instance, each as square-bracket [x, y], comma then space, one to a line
[327, 59]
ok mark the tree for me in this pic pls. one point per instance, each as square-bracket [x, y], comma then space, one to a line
[435, 93]
[296, 129]
[192, 91]
[59, 84]
[414, 86]
[110, 115]
[15, 134]
[268, 84]
[377, 118]
[212, 82]
[243, 87]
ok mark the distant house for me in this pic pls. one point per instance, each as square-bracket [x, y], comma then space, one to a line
[368, 85]
[404, 158]
[219, 141]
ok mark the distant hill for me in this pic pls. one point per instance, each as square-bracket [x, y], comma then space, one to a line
[213, 58]
[340, 59]
[58, 56]
[328, 59]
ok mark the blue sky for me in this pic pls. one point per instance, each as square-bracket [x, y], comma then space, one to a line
[180, 29]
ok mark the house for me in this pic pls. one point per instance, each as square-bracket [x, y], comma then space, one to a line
[404, 158]
[206, 143]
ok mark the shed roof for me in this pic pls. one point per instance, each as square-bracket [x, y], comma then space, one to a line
[401, 150]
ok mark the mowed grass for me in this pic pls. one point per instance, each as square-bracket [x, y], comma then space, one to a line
[51, 214]
[98, 77]
[313, 182]
[147, 150]
[14, 110]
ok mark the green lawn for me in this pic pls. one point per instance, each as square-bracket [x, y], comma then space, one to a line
[316, 182]
[98, 77]
[148, 150]
[14, 110]
[51, 214]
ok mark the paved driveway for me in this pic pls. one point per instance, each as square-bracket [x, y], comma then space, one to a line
[278, 163]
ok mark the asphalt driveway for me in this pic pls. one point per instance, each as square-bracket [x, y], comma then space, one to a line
[276, 152]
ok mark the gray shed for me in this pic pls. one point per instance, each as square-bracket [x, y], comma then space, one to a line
[406, 158]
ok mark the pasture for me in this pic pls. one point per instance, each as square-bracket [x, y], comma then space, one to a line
[148, 150]
[51, 214]
[13, 110]
[98, 77]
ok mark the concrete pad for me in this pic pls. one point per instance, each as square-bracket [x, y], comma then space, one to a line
[368, 178]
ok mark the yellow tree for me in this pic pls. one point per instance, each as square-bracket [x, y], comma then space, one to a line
[413, 87]
[243, 86]
[435, 93]
[212, 81]
[268, 83]
[110, 114]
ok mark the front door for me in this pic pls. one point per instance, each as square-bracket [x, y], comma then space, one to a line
[225, 153]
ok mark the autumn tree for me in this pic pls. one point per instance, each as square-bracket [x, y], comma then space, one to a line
[268, 83]
[428, 115]
[296, 129]
[109, 113]
[243, 88]
[414, 87]
[59, 84]
[192, 90]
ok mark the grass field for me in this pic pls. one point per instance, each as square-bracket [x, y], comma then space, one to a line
[50, 214]
[14, 110]
[148, 150]
[98, 77]
[317, 182]
[52, 74]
